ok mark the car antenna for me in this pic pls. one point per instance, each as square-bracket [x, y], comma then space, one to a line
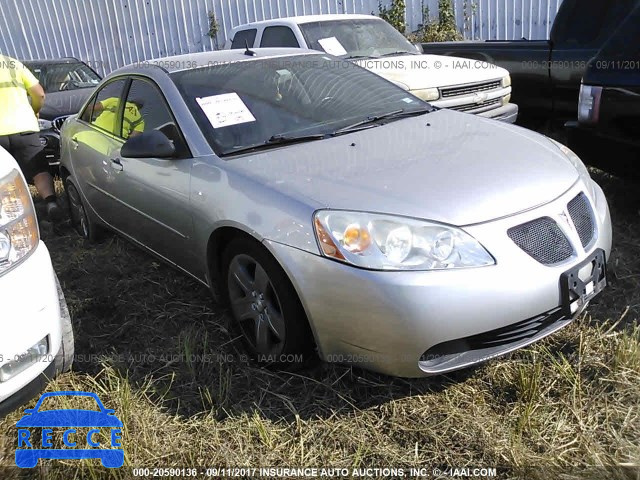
[247, 52]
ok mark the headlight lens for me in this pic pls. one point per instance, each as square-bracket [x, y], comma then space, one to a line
[401, 85]
[427, 94]
[506, 81]
[385, 242]
[44, 124]
[19, 234]
[579, 166]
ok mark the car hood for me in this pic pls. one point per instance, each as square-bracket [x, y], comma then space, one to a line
[429, 71]
[444, 166]
[58, 104]
[69, 418]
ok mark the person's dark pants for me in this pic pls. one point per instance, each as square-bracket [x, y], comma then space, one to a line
[28, 152]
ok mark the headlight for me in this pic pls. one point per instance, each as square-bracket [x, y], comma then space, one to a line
[589, 104]
[506, 81]
[19, 234]
[579, 166]
[45, 124]
[427, 94]
[400, 84]
[385, 242]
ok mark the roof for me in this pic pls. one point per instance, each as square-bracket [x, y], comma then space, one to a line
[300, 19]
[51, 61]
[190, 61]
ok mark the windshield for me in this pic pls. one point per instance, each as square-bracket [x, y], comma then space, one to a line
[60, 77]
[356, 38]
[622, 50]
[258, 101]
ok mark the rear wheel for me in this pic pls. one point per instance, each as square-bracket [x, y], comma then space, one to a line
[80, 220]
[265, 306]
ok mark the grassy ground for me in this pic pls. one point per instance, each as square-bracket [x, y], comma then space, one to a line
[153, 346]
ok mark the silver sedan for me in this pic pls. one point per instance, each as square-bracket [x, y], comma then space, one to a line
[337, 214]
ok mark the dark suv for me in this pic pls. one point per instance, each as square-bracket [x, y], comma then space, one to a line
[68, 82]
[607, 133]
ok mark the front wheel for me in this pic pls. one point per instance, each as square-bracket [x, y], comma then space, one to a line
[265, 306]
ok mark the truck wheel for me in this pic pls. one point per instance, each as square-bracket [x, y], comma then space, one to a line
[64, 358]
[265, 306]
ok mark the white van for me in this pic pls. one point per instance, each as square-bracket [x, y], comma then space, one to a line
[447, 82]
[37, 337]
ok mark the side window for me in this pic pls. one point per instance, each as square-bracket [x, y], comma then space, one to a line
[87, 113]
[279, 37]
[145, 110]
[243, 38]
[104, 113]
[589, 23]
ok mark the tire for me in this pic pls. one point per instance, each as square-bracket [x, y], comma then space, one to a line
[80, 219]
[64, 358]
[265, 307]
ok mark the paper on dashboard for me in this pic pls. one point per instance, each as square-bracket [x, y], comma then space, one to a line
[225, 110]
[332, 46]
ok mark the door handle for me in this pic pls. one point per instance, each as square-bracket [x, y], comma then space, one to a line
[74, 142]
[116, 164]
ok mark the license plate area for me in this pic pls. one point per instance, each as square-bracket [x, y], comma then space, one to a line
[577, 290]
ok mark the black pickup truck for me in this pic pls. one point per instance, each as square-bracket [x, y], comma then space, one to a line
[607, 130]
[546, 74]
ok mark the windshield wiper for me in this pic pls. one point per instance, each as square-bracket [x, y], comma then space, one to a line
[396, 114]
[355, 57]
[275, 141]
[402, 52]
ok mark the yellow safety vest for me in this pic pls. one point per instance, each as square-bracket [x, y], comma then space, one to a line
[132, 120]
[16, 114]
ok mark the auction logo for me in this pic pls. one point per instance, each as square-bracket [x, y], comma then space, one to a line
[95, 433]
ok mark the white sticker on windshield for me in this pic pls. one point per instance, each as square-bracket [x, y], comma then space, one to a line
[407, 100]
[225, 110]
[332, 46]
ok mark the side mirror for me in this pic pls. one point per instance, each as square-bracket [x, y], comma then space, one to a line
[153, 144]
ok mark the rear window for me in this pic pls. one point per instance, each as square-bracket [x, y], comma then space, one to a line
[589, 23]
[244, 38]
[622, 51]
[279, 37]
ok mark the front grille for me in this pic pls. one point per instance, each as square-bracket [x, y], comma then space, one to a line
[582, 217]
[58, 122]
[543, 240]
[477, 348]
[469, 89]
[471, 107]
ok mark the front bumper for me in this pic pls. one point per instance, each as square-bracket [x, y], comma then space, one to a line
[387, 321]
[50, 140]
[507, 113]
[30, 312]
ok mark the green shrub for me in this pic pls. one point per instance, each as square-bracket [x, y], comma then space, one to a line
[394, 14]
[444, 29]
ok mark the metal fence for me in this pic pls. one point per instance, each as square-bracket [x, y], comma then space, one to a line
[112, 33]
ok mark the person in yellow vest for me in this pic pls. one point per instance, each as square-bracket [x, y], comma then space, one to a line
[132, 122]
[19, 129]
